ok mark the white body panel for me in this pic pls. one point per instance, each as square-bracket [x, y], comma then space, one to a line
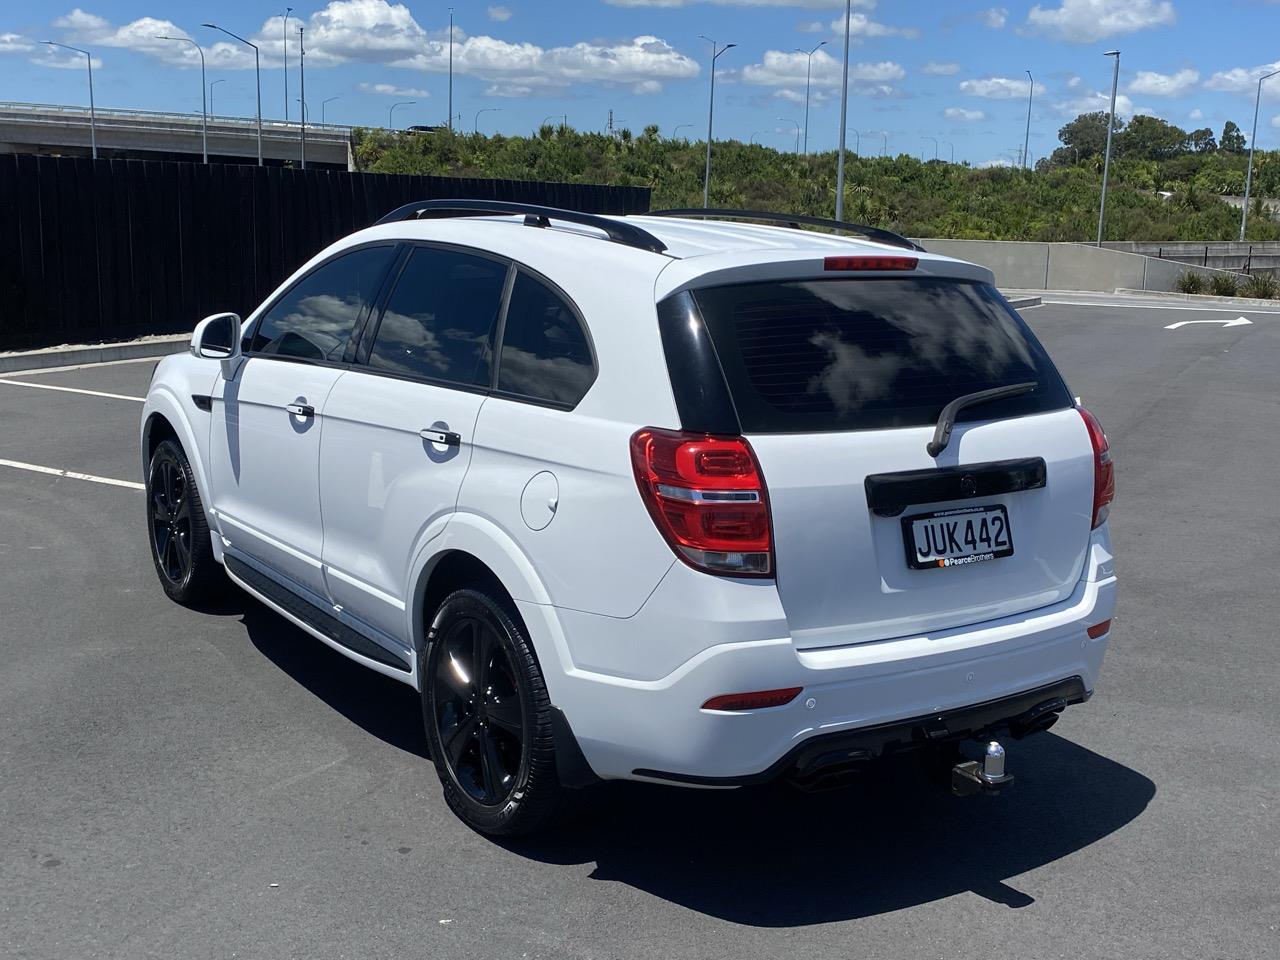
[355, 509]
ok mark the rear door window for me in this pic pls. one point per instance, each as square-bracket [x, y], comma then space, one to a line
[545, 352]
[438, 322]
[834, 355]
[314, 320]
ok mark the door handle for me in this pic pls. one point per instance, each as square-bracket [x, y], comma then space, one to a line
[303, 410]
[446, 437]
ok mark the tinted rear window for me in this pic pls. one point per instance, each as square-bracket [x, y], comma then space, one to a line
[834, 355]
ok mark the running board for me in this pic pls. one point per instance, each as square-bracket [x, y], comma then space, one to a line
[314, 617]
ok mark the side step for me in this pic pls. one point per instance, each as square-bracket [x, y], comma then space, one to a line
[315, 617]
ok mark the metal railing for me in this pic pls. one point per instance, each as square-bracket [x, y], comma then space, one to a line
[121, 118]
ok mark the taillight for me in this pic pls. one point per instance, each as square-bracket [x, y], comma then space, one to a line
[1104, 471]
[759, 700]
[707, 496]
[845, 262]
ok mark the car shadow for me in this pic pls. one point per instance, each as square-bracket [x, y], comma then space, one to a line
[773, 856]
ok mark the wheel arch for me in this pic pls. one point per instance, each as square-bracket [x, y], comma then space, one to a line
[163, 418]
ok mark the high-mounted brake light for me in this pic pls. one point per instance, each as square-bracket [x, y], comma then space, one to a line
[870, 263]
[708, 499]
[1104, 471]
[759, 700]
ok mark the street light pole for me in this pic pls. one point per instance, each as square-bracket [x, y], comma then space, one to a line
[1111, 122]
[797, 123]
[808, 73]
[1248, 179]
[450, 121]
[391, 125]
[284, 53]
[212, 84]
[322, 103]
[676, 132]
[476, 126]
[204, 108]
[844, 113]
[953, 150]
[302, 85]
[1026, 137]
[711, 110]
[93, 117]
[935, 144]
[257, 70]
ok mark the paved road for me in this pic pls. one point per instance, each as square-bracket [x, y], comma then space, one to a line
[216, 784]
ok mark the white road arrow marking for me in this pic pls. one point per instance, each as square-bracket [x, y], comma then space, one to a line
[1237, 322]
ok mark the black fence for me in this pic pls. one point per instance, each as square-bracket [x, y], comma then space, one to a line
[99, 250]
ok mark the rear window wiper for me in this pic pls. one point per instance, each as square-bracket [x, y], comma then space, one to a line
[947, 419]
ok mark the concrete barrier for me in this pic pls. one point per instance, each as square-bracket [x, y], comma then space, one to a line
[1024, 265]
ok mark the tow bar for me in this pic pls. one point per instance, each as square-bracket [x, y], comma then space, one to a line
[971, 776]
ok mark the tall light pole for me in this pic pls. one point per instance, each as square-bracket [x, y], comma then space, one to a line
[752, 139]
[857, 142]
[1248, 178]
[844, 113]
[212, 84]
[322, 103]
[1026, 137]
[391, 112]
[711, 111]
[953, 150]
[451, 69]
[676, 132]
[1111, 122]
[302, 90]
[476, 126]
[935, 144]
[204, 107]
[93, 117]
[284, 53]
[869, 133]
[797, 123]
[808, 73]
[257, 69]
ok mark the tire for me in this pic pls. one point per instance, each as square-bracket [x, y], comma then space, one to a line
[488, 717]
[181, 548]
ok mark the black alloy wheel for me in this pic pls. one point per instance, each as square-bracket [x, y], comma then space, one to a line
[170, 519]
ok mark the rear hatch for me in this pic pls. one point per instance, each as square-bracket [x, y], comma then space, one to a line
[838, 384]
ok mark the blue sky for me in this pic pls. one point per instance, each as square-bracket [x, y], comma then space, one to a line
[950, 70]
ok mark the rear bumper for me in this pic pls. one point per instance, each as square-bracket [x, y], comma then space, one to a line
[630, 727]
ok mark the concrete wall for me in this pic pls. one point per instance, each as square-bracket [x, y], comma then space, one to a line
[1262, 255]
[1064, 266]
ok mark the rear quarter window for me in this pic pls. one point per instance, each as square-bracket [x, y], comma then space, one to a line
[860, 354]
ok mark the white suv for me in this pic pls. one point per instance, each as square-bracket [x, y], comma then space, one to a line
[653, 497]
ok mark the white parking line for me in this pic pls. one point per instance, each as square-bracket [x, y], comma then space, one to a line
[71, 474]
[91, 393]
[1158, 306]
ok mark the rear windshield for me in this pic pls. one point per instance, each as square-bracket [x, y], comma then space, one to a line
[841, 354]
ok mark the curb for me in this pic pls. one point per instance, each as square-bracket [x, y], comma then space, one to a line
[1019, 303]
[1200, 297]
[99, 353]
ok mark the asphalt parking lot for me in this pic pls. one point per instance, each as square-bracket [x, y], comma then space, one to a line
[217, 784]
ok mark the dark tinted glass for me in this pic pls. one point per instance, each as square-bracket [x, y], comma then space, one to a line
[314, 320]
[830, 355]
[438, 323]
[545, 354]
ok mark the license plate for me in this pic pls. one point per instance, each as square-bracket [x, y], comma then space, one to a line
[957, 538]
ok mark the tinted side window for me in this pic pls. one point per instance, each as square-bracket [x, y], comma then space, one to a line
[314, 320]
[438, 322]
[545, 353]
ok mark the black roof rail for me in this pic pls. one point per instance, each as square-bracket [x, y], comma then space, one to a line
[618, 231]
[792, 220]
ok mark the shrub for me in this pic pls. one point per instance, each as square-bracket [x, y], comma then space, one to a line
[1262, 286]
[1224, 285]
[1189, 281]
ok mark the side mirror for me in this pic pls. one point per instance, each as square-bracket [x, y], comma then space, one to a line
[218, 338]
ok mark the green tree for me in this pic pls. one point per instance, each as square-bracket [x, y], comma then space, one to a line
[1202, 140]
[1232, 140]
[1151, 138]
[1088, 133]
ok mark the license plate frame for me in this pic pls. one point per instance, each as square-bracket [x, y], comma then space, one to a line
[964, 559]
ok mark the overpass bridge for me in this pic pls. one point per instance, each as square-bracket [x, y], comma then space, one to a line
[55, 130]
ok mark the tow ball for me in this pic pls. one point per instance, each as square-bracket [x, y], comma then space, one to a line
[985, 776]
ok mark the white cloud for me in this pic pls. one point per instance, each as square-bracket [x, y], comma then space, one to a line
[989, 164]
[1196, 114]
[646, 87]
[996, 88]
[787, 69]
[861, 26]
[15, 43]
[1098, 101]
[391, 90]
[1275, 121]
[140, 34]
[510, 90]
[811, 4]
[812, 26]
[959, 113]
[995, 17]
[1244, 80]
[1154, 84]
[498, 14]
[935, 69]
[1087, 21]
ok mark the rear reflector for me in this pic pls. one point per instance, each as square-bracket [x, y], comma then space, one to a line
[1098, 629]
[707, 497]
[753, 701]
[1104, 471]
[870, 263]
